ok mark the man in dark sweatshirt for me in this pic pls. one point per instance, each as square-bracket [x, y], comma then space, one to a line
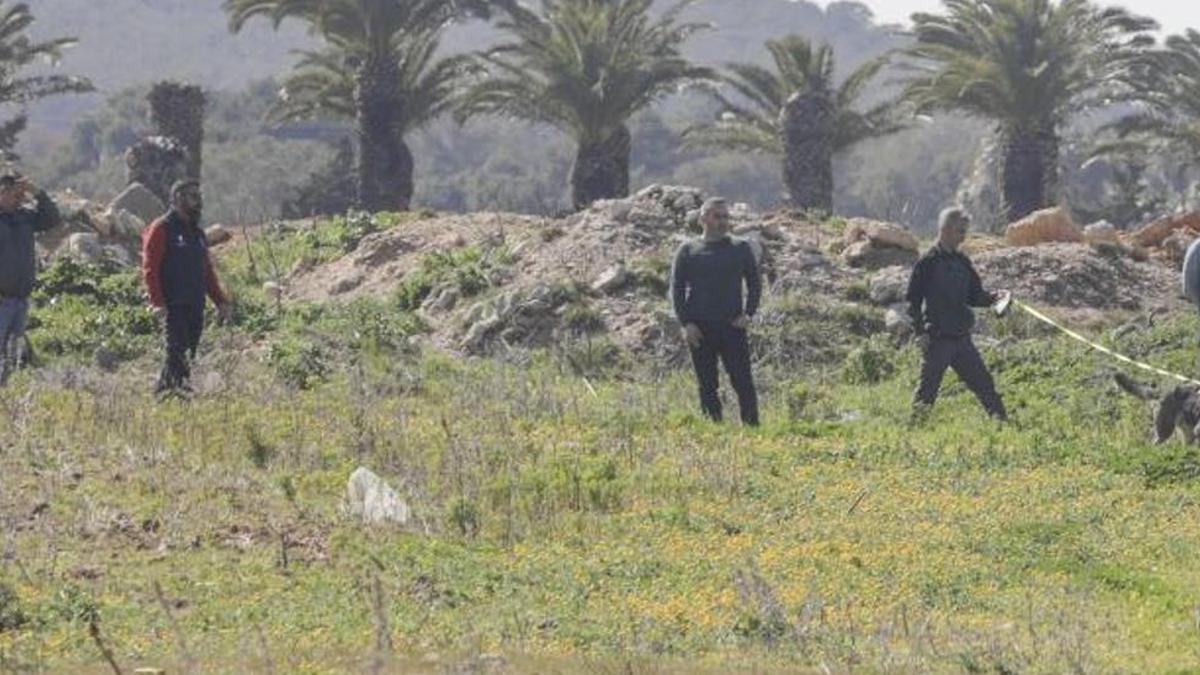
[706, 290]
[941, 292]
[178, 273]
[18, 260]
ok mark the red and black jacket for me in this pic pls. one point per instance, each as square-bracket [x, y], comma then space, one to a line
[176, 265]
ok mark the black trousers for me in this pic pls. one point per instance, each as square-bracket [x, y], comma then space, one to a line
[185, 324]
[724, 342]
[960, 354]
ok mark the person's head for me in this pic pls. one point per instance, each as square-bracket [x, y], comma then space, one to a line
[952, 227]
[12, 191]
[186, 198]
[714, 217]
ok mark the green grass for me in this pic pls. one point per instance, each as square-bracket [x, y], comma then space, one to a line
[572, 531]
[583, 529]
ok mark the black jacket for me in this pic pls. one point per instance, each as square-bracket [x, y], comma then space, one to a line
[18, 255]
[176, 265]
[707, 277]
[941, 292]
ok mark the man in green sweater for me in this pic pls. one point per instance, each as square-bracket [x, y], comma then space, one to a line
[706, 291]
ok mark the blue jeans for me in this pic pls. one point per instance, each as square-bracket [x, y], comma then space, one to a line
[14, 312]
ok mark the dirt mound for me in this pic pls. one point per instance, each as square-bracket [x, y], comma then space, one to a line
[532, 281]
[381, 261]
[1078, 276]
[488, 282]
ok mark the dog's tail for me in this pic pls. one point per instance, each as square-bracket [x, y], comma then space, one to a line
[1132, 387]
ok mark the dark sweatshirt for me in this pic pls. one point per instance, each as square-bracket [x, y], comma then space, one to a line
[941, 292]
[707, 277]
[176, 265]
[18, 255]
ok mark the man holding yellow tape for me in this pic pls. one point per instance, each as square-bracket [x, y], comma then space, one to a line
[941, 292]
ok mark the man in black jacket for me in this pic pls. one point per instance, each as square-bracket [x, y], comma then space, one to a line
[941, 292]
[18, 260]
[706, 290]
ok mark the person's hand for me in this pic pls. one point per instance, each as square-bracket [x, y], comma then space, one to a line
[741, 322]
[922, 340]
[692, 334]
[224, 312]
[1003, 302]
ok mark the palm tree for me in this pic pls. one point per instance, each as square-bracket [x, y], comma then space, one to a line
[1028, 65]
[379, 69]
[18, 51]
[585, 67]
[797, 113]
[1168, 93]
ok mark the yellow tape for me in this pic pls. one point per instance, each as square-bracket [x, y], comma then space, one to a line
[1101, 348]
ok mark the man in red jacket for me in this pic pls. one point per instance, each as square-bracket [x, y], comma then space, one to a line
[178, 273]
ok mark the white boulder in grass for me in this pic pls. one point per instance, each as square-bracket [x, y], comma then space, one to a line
[370, 498]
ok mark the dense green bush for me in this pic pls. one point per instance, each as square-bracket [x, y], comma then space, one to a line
[80, 308]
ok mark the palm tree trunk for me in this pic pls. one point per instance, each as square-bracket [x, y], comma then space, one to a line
[601, 169]
[808, 127]
[385, 164]
[1030, 175]
[177, 111]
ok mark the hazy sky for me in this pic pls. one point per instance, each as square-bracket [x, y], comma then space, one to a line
[1173, 15]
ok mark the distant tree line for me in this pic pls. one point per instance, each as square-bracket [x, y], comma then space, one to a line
[606, 77]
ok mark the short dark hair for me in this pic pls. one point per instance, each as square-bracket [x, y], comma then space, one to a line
[712, 204]
[183, 185]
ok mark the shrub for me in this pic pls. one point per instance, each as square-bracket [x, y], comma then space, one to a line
[468, 269]
[869, 363]
[299, 363]
[12, 617]
[582, 318]
[80, 308]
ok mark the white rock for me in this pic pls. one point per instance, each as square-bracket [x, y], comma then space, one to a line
[85, 247]
[140, 201]
[888, 285]
[119, 224]
[619, 210]
[374, 501]
[611, 279]
[217, 234]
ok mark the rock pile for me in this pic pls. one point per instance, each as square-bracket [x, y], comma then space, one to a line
[1078, 276]
[1168, 238]
[873, 245]
[90, 232]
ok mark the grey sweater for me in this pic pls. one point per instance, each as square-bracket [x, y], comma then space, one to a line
[707, 278]
[18, 257]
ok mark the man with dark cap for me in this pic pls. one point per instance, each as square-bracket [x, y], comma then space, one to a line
[18, 260]
[178, 272]
[941, 292]
[706, 290]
